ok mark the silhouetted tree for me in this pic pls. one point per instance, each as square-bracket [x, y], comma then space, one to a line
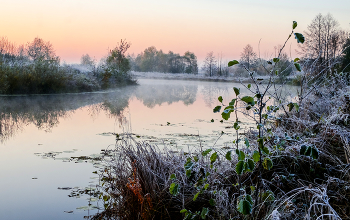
[324, 42]
[210, 64]
[248, 56]
[40, 49]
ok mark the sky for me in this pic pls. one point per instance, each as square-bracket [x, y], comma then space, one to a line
[77, 27]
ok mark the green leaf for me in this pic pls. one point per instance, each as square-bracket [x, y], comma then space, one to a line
[296, 106]
[276, 60]
[246, 142]
[220, 99]
[267, 163]
[241, 155]
[206, 152]
[268, 196]
[256, 156]
[308, 151]
[204, 213]
[228, 155]
[196, 196]
[237, 91]
[213, 157]
[212, 202]
[300, 38]
[188, 173]
[261, 142]
[188, 164]
[297, 66]
[235, 126]
[249, 100]
[239, 167]
[291, 106]
[173, 176]
[249, 198]
[233, 62]
[249, 86]
[265, 150]
[217, 109]
[230, 107]
[232, 103]
[174, 189]
[258, 95]
[244, 207]
[296, 60]
[226, 114]
[206, 186]
[295, 24]
[250, 164]
[314, 153]
[183, 211]
[212, 120]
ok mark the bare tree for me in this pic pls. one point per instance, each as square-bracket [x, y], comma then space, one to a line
[248, 56]
[6, 47]
[40, 49]
[87, 60]
[210, 64]
[324, 40]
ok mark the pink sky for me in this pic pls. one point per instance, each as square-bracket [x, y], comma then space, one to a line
[77, 27]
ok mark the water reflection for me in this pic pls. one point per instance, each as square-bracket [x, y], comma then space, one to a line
[46, 111]
[153, 93]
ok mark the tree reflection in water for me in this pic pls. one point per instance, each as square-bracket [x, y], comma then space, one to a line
[46, 111]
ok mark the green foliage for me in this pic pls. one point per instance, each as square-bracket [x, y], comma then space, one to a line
[228, 155]
[206, 152]
[267, 163]
[213, 157]
[233, 62]
[245, 205]
[237, 91]
[217, 109]
[174, 189]
[226, 114]
[240, 167]
[220, 99]
[256, 156]
[300, 38]
[297, 66]
[249, 100]
[310, 151]
[295, 24]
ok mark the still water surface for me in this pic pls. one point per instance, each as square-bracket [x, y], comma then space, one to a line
[35, 128]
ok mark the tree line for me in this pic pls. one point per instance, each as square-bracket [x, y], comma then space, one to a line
[35, 68]
[326, 48]
[153, 60]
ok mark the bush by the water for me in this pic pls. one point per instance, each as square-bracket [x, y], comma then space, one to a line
[35, 69]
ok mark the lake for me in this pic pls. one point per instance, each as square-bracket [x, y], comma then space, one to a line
[40, 134]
